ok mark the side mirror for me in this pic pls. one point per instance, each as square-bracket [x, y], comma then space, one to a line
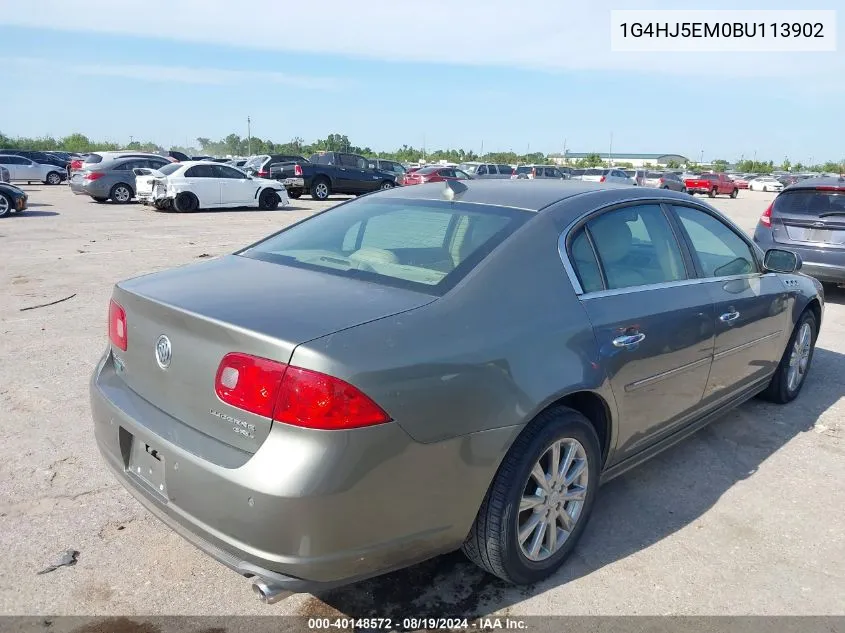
[780, 261]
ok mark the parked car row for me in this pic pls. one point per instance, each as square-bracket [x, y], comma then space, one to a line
[28, 170]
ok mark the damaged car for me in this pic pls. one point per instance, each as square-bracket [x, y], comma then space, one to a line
[194, 185]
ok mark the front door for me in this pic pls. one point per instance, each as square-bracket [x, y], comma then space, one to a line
[653, 326]
[752, 320]
[235, 188]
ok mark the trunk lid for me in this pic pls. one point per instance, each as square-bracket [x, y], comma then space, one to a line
[810, 216]
[234, 304]
[145, 180]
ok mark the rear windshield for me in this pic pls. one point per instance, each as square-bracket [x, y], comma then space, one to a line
[594, 172]
[93, 158]
[169, 169]
[810, 202]
[415, 244]
[256, 161]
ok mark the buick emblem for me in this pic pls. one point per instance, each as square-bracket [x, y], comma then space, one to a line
[163, 352]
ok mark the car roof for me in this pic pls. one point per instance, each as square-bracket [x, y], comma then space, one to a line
[529, 195]
[813, 183]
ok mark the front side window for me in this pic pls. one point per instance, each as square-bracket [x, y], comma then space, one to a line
[221, 171]
[719, 250]
[405, 243]
[636, 247]
[481, 170]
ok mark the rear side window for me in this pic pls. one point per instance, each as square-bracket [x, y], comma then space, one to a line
[169, 168]
[810, 202]
[200, 171]
[635, 247]
[586, 264]
[505, 169]
[420, 245]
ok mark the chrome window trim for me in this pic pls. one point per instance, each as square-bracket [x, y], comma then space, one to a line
[580, 221]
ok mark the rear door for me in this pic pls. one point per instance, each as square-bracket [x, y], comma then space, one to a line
[752, 318]
[505, 171]
[349, 175]
[653, 325]
[204, 184]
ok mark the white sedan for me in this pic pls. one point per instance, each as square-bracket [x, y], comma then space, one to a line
[607, 175]
[766, 183]
[194, 185]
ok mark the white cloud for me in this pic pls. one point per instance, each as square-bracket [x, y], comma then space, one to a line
[178, 74]
[550, 35]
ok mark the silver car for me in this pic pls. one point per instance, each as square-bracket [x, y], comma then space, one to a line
[446, 366]
[22, 169]
[664, 180]
[487, 171]
[601, 174]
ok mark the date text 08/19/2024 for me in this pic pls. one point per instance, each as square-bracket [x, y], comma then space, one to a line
[417, 623]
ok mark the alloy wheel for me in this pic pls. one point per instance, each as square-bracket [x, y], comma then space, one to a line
[121, 194]
[553, 499]
[800, 357]
[322, 191]
[5, 207]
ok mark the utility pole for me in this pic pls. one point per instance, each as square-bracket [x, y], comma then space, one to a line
[610, 153]
[482, 150]
[701, 159]
[131, 139]
[249, 136]
[424, 155]
[565, 158]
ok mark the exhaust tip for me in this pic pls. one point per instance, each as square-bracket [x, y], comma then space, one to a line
[267, 592]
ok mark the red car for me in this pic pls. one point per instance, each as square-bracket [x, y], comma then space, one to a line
[712, 185]
[434, 174]
[740, 182]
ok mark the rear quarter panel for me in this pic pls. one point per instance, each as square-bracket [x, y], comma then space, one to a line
[510, 339]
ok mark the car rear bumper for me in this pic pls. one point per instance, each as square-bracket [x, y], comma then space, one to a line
[93, 188]
[825, 264]
[310, 509]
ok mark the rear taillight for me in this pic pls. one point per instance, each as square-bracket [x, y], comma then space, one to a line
[76, 164]
[533, 173]
[292, 395]
[249, 383]
[766, 218]
[602, 179]
[94, 175]
[263, 174]
[297, 170]
[662, 181]
[117, 325]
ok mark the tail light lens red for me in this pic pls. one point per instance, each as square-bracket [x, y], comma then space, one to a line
[297, 170]
[602, 179]
[766, 218]
[94, 175]
[263, 173]
[76, 164]
[292, 395]
[117, 326]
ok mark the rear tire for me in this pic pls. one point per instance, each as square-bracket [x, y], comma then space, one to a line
[185, 202]
[734, 193]
[712, 193]
[53, 178]
[121, 193]
[494, 542]
[765, 189]
[268, 200]
[795, 364]
[6, 205]
[386, 185]
[294, 195]
[321, 189]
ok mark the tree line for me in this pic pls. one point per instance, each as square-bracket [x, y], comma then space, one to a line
[235, 145]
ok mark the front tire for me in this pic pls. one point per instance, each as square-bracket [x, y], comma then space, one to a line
[121, 193]
[794, 366]
[540, 499]
[386, 185]
[765, 189]
[268, 200]
[53, 178]
[294, 195]
[734, 193]
[321, 190]
[712, 193]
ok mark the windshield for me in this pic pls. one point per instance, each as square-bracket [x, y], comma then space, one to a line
[470, 169]
[419, 245]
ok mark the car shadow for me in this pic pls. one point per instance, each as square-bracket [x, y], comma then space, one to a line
[656, 500]
[34, 205]
[27, 213]
[248, 210]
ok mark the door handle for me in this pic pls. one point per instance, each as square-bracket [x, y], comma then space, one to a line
[629, 340]
[729, 316]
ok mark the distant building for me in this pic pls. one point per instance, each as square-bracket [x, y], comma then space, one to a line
[637, 160]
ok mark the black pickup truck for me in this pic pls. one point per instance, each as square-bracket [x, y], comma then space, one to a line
[333, 172]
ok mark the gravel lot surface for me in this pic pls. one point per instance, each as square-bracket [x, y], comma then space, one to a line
[746, 517]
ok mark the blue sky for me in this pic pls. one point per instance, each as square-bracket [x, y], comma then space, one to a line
[507, 74]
